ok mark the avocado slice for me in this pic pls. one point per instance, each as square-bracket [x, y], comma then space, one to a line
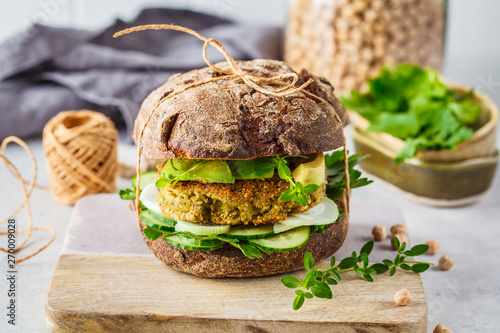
[312, 172]
[213, 171]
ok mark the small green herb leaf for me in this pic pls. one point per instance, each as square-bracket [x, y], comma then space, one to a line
[364, 258]
[308, 280]
[298, 302]
[308, 260]
[418, 250]
[397, 244]
[420, 268]
[284, 171]
[311, 188]
[332, 261]
[387, 262]
[290, 281]
[287, 195]
[331, 281]
[322, 290]
[348, 262]
[367, 248]
[301, 198]
[368, 277]
[379, 268]
[406, 267]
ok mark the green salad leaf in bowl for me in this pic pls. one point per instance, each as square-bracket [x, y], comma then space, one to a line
[412, 104]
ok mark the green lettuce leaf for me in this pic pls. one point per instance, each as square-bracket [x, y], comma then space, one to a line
[410, 103]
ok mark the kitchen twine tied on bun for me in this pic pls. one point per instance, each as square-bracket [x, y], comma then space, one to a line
[27, 193]
[236, 73]
[81, 154]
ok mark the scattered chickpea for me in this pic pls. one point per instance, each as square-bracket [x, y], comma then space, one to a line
[446, 262]
[402, 297]
[399, 229]
[379, 232]
[402, 239]
[433, 246]
[442, 329]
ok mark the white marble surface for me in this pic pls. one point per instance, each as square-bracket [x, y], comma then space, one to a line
[88, 236]
[465, 298]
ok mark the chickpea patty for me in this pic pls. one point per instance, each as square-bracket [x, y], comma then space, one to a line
[246, 201]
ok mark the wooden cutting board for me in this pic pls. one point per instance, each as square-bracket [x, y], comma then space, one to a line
[107, 280]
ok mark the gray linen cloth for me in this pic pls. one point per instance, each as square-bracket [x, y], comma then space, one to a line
[45, 70]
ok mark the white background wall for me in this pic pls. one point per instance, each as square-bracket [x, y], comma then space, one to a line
[474, 25]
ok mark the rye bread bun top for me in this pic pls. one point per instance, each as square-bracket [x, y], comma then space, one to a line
[229, 119]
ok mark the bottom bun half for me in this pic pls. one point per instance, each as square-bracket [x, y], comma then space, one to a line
[229, 261]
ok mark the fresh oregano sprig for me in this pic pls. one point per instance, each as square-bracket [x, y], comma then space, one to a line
[400, 260]
[317, 282]
[297, 191]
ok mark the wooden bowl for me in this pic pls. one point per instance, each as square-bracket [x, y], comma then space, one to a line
[443, 178]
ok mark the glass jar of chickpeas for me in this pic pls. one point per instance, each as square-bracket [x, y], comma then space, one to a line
[348, 41]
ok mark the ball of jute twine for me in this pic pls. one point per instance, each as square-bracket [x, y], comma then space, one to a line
[81, 154]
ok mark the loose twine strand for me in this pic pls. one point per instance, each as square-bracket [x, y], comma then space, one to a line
[27, 193]
[234, 72]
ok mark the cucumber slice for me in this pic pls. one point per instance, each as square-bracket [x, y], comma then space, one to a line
[200, 242]
[162, 217]
[286, 241]
[154, 223]
[201, 229]
[177, 242]
[324, 213]
[148, 198]
[245, 232]
[147, 178]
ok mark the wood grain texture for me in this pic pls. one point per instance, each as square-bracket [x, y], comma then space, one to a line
[104, 284]
[95, 293]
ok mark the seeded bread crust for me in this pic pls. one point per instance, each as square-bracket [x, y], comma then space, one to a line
[229, 119]
[230, 262]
